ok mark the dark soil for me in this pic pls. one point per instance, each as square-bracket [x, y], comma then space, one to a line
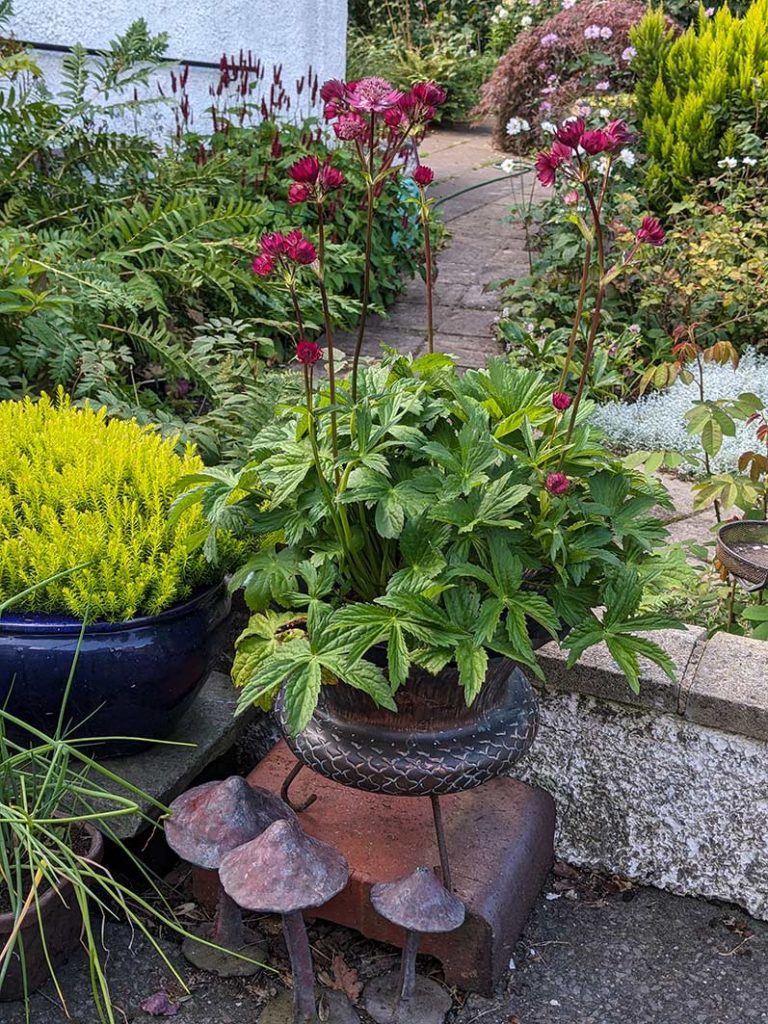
[79, 843]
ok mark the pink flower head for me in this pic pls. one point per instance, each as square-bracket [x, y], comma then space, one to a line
[570, 132]
[329, 178]
[333, 89]
[274, 244]
[308, 352]
[298, 193]
[351, 127]
[372, 95]
[557, 483]
[619, 134]
[571, 197]
[429, 94]
[548, 161]
[263, 265]
[423, 175]
[651, 231]
[561, 401]
[305, 170]
[594, 142]
[395, 117]
[300, 249]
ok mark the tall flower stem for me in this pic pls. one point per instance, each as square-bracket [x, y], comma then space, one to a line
[577, 318]
[328, 330]
[428, 271]
[366, 289]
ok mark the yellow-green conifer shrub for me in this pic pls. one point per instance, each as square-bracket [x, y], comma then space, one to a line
[691, 91]
[77, 489]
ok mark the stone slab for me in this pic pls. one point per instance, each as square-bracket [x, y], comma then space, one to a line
[729, 690]
[499, 838]
[206, 732]
[598, 675]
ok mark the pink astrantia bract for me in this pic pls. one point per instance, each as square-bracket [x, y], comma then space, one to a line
[423, 175]
[548, 161]
[561, 401]
[651, 231]
[372, 95]
[308, 352]
[263, 265]
[570, 132]
[557, 484]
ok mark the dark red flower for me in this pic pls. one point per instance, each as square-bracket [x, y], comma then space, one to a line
[298, 193]
[423, 175]
[651, 231]
[263, 265]
[329, 178]
[619, 134]
[557, 483]
[394, 118]
[570, 132]
[594, 142]
[300, 249]
[305, 170]
[333, 89]
[274, 244]
[351, 127]
[548, 161]
[561, 401]
[308, 352]
[429, 93]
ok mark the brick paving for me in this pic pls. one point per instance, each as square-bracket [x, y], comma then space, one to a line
[485, 246]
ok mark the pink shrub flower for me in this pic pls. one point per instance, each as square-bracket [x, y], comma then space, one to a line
[651, 231]
[308, 352]
[423, 175]
[570, 132]
[561, 401]
[298, 193]
[263, 265]
[372, 95]
[300, 249]
[557, 484]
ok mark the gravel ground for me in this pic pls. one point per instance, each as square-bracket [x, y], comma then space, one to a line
[595, 951]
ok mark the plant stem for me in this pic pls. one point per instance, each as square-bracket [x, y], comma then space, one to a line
[366, 292]
[297, 941]
[428, 270]
[577, 318]
[328, 330]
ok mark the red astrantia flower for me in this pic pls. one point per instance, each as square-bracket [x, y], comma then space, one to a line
[561, 400]
[548, 161]
[651, 231]
[333, 89]
[263, 265]
[329, 178]
[305, 170]
[429, 93]
[298, 193]
[594, 142]
[570, 132]
[372, 95]
[351, 127]
[274, 244]
[423, 175]
[557, 484]
[308, 352]
[300, 249]
[619, 134]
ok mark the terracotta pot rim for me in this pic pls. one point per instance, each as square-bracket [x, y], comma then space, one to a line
[95, 852]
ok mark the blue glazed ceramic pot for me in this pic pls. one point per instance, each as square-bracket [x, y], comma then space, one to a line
[133, 678]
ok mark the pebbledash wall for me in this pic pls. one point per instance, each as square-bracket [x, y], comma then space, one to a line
[668, 787]
[294, 33]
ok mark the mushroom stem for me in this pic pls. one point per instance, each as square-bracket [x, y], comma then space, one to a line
[227, 928]
[408, 965]
[297, 941]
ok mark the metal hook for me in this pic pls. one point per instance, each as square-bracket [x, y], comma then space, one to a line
[284, 796]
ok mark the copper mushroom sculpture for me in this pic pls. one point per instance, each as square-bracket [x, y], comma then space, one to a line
[284, 871]
[206, 823]
[419, 903]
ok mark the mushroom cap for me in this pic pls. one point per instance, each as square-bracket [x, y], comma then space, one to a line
[419, 902]
[210, 820]
[283, 870]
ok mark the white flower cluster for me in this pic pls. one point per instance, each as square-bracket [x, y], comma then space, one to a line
[598, 32]
[730, 163]
[517, 125]
[656, 421]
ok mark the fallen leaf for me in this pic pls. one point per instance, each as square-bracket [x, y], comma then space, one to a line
[343, 978]
[159, 1005]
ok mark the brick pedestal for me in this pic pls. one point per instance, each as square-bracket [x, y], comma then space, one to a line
[500, 844]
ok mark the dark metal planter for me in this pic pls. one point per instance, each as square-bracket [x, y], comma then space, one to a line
[133, 678]
[61, 925]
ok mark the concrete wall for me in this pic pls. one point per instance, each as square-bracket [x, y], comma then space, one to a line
[668, 787]
[296, 33]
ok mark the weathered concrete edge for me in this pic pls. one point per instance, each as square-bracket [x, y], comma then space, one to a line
[721, 683]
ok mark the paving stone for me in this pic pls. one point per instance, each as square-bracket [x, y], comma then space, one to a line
[728, 689]
[698, 528]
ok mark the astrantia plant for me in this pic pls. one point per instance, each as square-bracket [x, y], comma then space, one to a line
[436, 517]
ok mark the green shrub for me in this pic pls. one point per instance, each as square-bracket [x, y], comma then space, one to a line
[80, 492]
[698, 94]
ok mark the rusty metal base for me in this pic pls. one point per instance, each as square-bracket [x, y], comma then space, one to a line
[500, 839]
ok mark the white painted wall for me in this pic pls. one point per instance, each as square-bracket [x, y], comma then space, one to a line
[296, 33]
